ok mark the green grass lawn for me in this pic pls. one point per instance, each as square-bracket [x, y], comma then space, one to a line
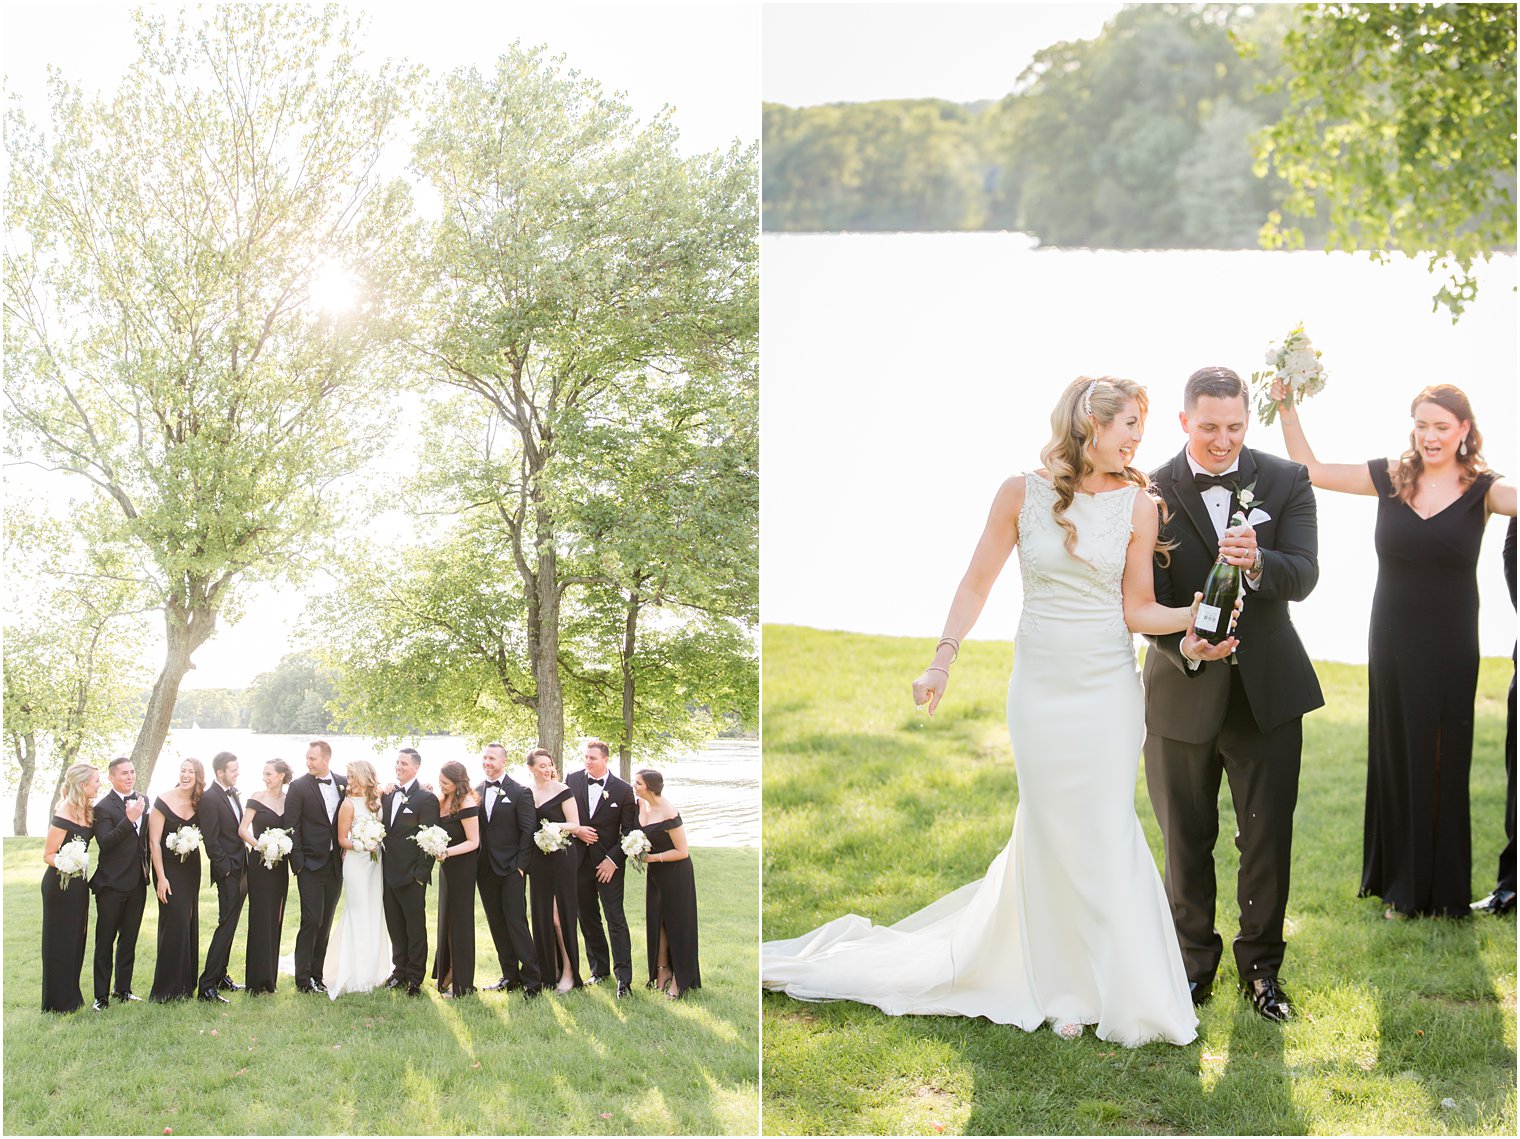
[381, 1063]
[1394, 1017]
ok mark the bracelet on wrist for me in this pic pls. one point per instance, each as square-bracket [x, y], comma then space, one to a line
[955, 647]
[937, 668]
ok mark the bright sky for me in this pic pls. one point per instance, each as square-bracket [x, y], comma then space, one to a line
[701, 59]
[832, 53]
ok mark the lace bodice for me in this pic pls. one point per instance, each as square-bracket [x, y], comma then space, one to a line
[1059, 588]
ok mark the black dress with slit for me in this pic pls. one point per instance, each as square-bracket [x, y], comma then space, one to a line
[670, 904]
[551, 879]
[454, 959]
[179, 919]
[65, 924]
[267, 891]
[1422, 676]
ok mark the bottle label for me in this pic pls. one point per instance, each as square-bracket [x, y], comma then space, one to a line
[1207, 620]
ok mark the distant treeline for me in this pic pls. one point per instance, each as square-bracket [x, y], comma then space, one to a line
[1138, 139]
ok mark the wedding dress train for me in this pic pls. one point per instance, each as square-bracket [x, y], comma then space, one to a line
[1070, 924]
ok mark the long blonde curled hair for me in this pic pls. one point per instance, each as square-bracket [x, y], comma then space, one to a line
[73, 794]
[362, 778]
[1086, 405]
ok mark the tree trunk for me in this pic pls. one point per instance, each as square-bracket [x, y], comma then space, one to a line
[630, 646]
[186, 633]
[551, 697]
[26, 755]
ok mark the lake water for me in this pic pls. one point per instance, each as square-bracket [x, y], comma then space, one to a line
[904, 376]
[717, 788]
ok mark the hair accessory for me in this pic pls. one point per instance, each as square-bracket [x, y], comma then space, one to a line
[1087, 397]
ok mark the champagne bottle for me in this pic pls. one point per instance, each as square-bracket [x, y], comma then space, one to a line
[1219, 593]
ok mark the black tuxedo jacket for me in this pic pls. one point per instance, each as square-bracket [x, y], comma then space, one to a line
[1189, 705]
[507, 835]
[313, 836]
[616, 815]
[124, 857]
[218, 819]
[402, 861]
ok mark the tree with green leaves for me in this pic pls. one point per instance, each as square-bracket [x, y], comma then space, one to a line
[293, 698]
[1401, 122]
[578, 254]
[74, 632]
[166, 337]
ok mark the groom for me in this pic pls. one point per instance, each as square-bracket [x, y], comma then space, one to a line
[1240, 713]
[407, 870]
[311, 808]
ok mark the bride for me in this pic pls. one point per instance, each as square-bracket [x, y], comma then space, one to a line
[1070, 925]
[358, 956]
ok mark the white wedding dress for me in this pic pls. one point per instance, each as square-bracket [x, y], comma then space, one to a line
[1070, 924]
[359, 952]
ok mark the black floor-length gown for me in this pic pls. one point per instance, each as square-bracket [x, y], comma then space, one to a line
[267, 891]
[454, 959]
[1422, 675]
[179, 919]
[65, 924]
[551, 878]
[670, 903]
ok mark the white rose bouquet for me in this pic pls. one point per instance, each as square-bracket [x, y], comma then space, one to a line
[368, 835]
[70, 861]
[433, 840]
[272, 846]
[184, 842]
[636, 845]
[552, 836]
[1295, 362]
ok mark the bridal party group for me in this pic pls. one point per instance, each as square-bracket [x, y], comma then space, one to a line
[548, 861]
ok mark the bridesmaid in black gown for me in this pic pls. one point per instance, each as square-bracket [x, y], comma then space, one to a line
[551, 878]
[1422, 650]
[267, 886]
[66, 904]
[670, 895]
[459, 815]
[178, 885]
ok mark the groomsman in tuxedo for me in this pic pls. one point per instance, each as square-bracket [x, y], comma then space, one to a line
[1236, 709]
[311, 810]
[218, 816]
[506, 834]
[1501, 900]
[610, 811]
[407, 870]
[120, 881]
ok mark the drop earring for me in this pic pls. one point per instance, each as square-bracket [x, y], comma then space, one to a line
[1462, 450]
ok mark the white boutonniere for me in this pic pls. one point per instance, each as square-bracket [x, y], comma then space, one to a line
[1247, 496]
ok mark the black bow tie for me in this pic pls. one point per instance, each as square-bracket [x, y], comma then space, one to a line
[602, 782]
[494, 783]
[1230, 482]
[328, 781]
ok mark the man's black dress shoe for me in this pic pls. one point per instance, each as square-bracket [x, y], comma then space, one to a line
[101, 1004]
[1499, 903]
[228, 985]
[125, 997]
[595, 979]
[213, 995]
[1268, 998]
[1202, 994]
[502, 986]
[394, 982]
[532, 993]
[624, 989]
[414, 989]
